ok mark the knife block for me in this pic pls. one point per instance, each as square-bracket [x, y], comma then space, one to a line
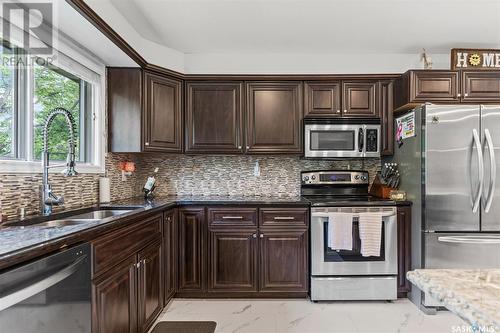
[380, 190]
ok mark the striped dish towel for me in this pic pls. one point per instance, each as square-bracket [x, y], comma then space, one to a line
[370, 233]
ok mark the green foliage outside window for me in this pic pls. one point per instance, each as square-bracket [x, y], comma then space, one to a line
[6, 107]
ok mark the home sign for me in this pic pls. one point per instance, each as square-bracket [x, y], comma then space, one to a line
[475, 59]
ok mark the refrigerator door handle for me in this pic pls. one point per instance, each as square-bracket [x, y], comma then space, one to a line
[479, 151]
[493, 170]
[470, 239]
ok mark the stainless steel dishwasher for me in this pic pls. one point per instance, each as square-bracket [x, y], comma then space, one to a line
[51, 294]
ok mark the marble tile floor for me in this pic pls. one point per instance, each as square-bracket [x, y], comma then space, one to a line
[279, 316]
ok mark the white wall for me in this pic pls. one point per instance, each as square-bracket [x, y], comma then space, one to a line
[307, 63]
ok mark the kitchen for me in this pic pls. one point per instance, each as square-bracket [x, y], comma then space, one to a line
[186, 170]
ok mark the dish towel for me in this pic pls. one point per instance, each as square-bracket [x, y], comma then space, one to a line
[340, 231]
[370, 233]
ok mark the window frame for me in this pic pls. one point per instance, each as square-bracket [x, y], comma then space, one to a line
[94, 149]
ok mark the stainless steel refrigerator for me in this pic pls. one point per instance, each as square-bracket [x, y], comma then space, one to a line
[449, 170]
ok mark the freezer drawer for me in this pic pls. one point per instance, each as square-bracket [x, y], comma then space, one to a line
[353, 288]
[462, 250]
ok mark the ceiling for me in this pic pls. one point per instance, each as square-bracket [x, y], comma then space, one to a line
[72, 24]
[314, 26]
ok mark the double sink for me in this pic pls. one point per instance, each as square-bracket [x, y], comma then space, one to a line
[75, 218]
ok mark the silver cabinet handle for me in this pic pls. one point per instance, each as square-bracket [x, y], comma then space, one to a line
[168, 218]
[477, 142]
[146, 143]
[345, 111]
[34, 288]
[232, 217]
[459, 95]
[470, 239]
[239, 147]
[254, 235]
[338, 111]
[137, 265]
[465, 95]
[493, 170]
[285, 218]
[248, 147]
[261, 235]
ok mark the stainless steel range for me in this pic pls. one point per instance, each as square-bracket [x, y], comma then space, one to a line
[348, 273]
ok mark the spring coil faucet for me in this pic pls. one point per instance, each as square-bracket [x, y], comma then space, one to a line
[48, 198]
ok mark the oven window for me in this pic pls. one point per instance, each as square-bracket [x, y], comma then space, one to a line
[339, 140]
[355, 254]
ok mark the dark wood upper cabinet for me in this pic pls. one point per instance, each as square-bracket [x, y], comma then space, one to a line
[416, 87]
[283, 260]
[192, 243]
[162, 114]
[214, 118]
[481, 86]
[322, 99]
[359, 99]
[386, 108]
[170, 254]
[232, 260]
[274, 117]
[114, 303]
[124, 109]
[150, 285]
[434, 86]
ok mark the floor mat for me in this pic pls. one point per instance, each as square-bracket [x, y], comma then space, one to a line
[185, 327]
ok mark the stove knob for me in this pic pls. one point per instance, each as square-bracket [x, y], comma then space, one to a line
[306, 178]
[364, 178]
[356, 177]
[313, 177]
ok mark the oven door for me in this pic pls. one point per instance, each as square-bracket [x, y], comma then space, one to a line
[333, 140]
[328, 262]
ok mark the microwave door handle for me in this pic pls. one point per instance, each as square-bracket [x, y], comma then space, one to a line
[361, 140]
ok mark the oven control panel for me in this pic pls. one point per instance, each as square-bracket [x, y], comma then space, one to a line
[334, 177]
[372, 140]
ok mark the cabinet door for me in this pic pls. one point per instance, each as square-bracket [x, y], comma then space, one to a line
[481, 86]
[386, 108]
[214, 122]
[274, 116]
[124, 109]
[150, 285]
[170, 253]
[162, 114]
[114, 301]
[404, 249]
[192, 254]
[434, 86]
[359, 99]
[322, 99]
[283, 260]
[232, 260]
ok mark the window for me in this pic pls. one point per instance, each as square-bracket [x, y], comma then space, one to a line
[29, 93]
[7, 107]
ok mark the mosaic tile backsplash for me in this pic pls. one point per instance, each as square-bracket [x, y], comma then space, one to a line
[178, 175]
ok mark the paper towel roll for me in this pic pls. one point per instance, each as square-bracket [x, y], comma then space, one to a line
[104, 190]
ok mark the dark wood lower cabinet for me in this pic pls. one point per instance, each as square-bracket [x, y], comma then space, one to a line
[170, 264]
[232, 260]
[404, 249]
[114, 304]
[150, 285]
[283, 260]
[192, 253]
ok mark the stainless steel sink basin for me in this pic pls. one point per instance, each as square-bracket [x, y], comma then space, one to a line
[63, 223]
[99, 214]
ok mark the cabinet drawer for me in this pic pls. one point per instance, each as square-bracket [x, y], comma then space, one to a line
[237, 217]
[117, 246]
[284, 217]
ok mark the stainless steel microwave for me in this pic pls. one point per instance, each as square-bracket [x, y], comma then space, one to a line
[333, 139]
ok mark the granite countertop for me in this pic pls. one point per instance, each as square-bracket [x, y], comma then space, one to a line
[21, 242]
[472, 294]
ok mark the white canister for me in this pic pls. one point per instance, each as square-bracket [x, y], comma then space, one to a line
[104, 190]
